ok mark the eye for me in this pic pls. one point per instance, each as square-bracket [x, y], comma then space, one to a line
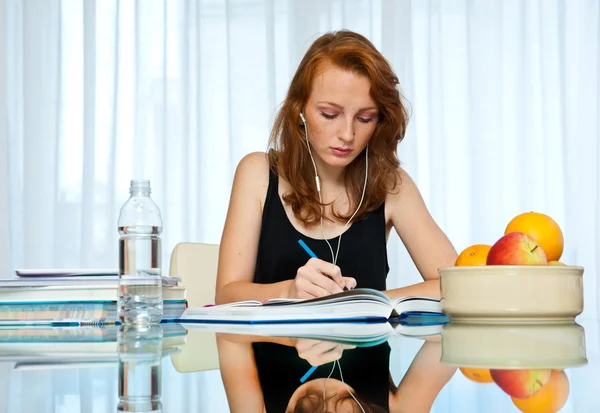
[328, 116]
[365, 120]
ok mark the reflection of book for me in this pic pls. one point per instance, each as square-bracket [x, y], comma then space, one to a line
[361, 304]
[360, 334]
[70, 347]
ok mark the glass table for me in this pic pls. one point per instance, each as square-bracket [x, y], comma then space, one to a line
[202, 368]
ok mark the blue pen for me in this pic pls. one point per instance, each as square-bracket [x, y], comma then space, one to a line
[313, 255]
[308, 373]
[308, 250]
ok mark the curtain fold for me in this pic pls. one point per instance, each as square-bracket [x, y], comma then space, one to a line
[504, 99]
[5, 240]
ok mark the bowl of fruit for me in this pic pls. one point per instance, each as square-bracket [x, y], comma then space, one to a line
[517, 278]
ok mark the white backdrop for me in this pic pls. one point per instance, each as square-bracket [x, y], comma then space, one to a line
[505, 100]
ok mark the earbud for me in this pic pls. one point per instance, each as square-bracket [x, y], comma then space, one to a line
[303, 120]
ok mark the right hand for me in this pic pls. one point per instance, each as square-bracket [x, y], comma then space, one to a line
[318, 352]
[318, 278]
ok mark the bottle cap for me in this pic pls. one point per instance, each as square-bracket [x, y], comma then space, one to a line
[140, 185]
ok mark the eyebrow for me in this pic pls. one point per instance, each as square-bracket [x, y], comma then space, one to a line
[339, 107]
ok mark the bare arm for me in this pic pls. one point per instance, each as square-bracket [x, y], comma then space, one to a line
[427, 244]
[239, 246]
[423, 381]
[240, 377]
[239, 242]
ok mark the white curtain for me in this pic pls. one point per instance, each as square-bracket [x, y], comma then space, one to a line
[505, 103]
[504, 99]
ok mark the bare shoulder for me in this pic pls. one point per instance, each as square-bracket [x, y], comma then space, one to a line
[404, 182]
[404, 191]
[254, 165]
[252, 174]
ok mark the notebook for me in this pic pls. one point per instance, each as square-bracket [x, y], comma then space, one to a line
[361, 304]
[45, 277]
[64, 272]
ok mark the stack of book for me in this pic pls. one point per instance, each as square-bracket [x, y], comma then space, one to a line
[73, 296]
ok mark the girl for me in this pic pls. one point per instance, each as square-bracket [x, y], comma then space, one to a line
[332, 180]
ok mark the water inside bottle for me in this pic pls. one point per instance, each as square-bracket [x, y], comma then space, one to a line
[140, 283]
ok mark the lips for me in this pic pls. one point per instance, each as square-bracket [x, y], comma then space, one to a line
[341, 151]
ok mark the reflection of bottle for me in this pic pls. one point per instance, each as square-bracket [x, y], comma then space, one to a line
[140, 284]
[140, 358]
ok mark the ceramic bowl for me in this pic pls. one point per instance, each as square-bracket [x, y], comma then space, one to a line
[508, 293]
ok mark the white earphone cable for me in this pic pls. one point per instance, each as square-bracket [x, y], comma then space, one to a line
[334, 257]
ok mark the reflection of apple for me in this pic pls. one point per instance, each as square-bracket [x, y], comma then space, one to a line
[520, 383]
[516, 248]
[551, 398]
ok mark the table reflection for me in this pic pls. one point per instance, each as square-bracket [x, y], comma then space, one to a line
[272, 371]
[526, 361]
[463, 368]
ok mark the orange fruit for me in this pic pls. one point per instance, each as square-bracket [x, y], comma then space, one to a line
[556, 263]
[543, 229]
[473, 255]
[478, 375]
[550, 398]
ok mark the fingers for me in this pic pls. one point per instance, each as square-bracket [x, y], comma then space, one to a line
[310, 286]
[318, 278]
[327, 268]
[319, 352]
[314, 281]
[349, 283]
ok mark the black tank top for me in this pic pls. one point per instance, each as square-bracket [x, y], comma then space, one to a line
[362, 254]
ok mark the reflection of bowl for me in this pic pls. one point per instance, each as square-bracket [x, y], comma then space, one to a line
[519, 346]
[512, 292]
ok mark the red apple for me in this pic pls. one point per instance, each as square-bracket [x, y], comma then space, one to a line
[520, 384]
[516, 248]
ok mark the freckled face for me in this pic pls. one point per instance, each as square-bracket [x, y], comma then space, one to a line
[340, 114]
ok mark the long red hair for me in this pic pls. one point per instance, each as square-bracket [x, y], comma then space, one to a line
[289, 155]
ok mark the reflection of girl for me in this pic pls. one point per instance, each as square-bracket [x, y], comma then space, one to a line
[364, 383]
[329, 395]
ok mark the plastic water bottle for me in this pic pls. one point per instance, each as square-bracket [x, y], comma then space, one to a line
[140, 368]
[140, 283]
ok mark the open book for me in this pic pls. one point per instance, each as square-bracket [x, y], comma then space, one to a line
[361, 304]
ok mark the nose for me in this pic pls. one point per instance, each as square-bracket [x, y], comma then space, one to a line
[347, 131]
